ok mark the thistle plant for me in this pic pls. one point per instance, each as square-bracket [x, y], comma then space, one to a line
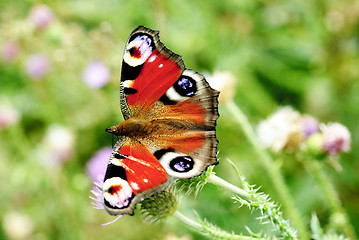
[294, 136]
[164, 204]
[285, 131]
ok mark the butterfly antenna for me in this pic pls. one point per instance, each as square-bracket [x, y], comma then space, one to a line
[104, 224]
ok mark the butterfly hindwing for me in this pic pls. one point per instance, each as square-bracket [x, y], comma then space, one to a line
[170, 116]
[132, 174]
[195, 104]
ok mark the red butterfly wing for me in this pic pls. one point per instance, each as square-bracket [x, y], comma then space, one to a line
[156, 77]
[133, 173]
[149, 69]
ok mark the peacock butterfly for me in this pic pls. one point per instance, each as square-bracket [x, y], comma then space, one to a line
[170, 117]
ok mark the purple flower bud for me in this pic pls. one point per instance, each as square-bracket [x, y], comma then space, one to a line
[41, 16]
[309, 125]
[96, 167]
[37, 66]
[336, 138]
[96, 75]
[9, 51]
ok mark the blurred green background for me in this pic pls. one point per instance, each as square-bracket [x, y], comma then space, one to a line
[298, 53]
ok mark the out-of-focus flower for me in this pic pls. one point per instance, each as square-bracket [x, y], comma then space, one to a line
[17, 226]
[96, 75]
[314, 144]
[37, 66]
[277, 15]
[172, 236]
[309, 125]
[96, 167]
[336, 138]
[41, 16]
[60, 140]
[8, 115]
[57, 145]
[334, 20]
[9, 51]
[281, 130]
[225, 83]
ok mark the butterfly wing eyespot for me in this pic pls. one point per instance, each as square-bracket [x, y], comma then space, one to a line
[182, 164]
[138, 50]
[117, 192]
[185, 86]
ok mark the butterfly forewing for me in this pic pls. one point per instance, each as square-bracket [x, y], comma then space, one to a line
[149, 69]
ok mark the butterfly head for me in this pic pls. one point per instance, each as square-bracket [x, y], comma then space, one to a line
[132, 127]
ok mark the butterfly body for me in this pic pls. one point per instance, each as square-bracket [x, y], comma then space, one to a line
[169, 129]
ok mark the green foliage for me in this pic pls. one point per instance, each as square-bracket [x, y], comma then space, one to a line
[318, 233]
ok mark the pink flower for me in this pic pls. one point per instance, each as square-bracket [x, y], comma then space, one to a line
[97, 195]
[336, 138]
[96, 167]
[37, 66]
[8, 115]
[96, 75]
[57, 146]
[41, 16]
[9, 51]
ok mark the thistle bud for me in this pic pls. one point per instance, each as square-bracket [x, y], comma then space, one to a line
[336, 138]
[160, 206]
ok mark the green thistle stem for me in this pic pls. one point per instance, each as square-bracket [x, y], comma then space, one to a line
[257, 201]
[331, 195]
[273, 170]
[222, 183]
[189, 222]
[209, 230]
